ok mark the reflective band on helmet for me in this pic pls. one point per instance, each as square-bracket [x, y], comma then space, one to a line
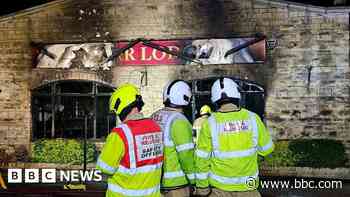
[234, 180]
[202, 176]
[170, 175]
[266, 147]
[105, 166]
[184, 147]
[130, 139]
[235, 154]
[191, 176]
[143, 169]
[202, 154]
[133, 192]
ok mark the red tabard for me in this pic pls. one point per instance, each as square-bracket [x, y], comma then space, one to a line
[147, 142]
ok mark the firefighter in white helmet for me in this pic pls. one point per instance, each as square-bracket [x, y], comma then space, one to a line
[229, 144]
[178, 167]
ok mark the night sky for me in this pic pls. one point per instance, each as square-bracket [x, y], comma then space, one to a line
[10, 6]
[16, 5]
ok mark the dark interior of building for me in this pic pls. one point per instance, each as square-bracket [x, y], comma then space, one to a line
[65, 109]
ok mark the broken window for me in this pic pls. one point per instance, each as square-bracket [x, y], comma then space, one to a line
[65, 109]
[252, 96]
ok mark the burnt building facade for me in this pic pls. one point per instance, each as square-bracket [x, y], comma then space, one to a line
[300, 88]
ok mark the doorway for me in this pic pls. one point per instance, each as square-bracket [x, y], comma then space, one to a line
[252, 96]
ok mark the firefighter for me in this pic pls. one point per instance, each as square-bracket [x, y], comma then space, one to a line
[2, 182]
[178, 168]
[197, 124]
[133, 152]
[228, 146]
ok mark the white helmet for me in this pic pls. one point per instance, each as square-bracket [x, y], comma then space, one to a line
[177, 94]
[224, 88]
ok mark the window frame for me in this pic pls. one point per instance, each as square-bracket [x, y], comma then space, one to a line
[53, 94]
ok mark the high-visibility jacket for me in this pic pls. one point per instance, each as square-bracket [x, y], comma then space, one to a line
[133, 156]
[178, 167]
[227, 150]
[197, 125]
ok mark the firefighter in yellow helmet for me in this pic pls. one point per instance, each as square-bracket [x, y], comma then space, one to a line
[205, 110]
[133, 152]
[197, 124]
[229, 144]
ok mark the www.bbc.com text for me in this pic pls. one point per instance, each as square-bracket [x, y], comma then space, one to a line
[301, 184]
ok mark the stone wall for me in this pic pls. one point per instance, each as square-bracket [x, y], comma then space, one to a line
[309, 39]
[15, 63]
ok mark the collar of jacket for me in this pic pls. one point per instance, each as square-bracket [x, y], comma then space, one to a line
[173, 109]
[228, 107]
[136, 116]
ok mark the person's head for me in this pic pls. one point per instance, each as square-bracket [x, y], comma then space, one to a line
[177, 94]
[205, 110]
[225, 90]
[125, 100]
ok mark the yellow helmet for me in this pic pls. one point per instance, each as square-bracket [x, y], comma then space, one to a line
[205, 109]
[127, 95]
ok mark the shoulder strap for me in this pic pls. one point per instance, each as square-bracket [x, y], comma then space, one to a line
[214, 132]
[254, 128]
[173, 116]
[125, 130]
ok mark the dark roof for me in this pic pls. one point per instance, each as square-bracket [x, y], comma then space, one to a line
[12, 7]
[15, 5]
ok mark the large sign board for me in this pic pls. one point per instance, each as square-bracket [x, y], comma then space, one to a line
[87, 55]
[205, 51]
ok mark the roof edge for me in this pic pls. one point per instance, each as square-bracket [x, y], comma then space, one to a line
[31, 10]
[290, 4]
[340, 9]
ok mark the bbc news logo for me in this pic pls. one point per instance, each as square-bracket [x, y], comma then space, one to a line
[52, 175]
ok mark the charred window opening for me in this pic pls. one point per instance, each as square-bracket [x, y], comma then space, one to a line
[252, 96]
[59, 110]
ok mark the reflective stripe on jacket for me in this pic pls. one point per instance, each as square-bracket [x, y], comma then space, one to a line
[137, 169]
[178, 168]
[227, 149]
